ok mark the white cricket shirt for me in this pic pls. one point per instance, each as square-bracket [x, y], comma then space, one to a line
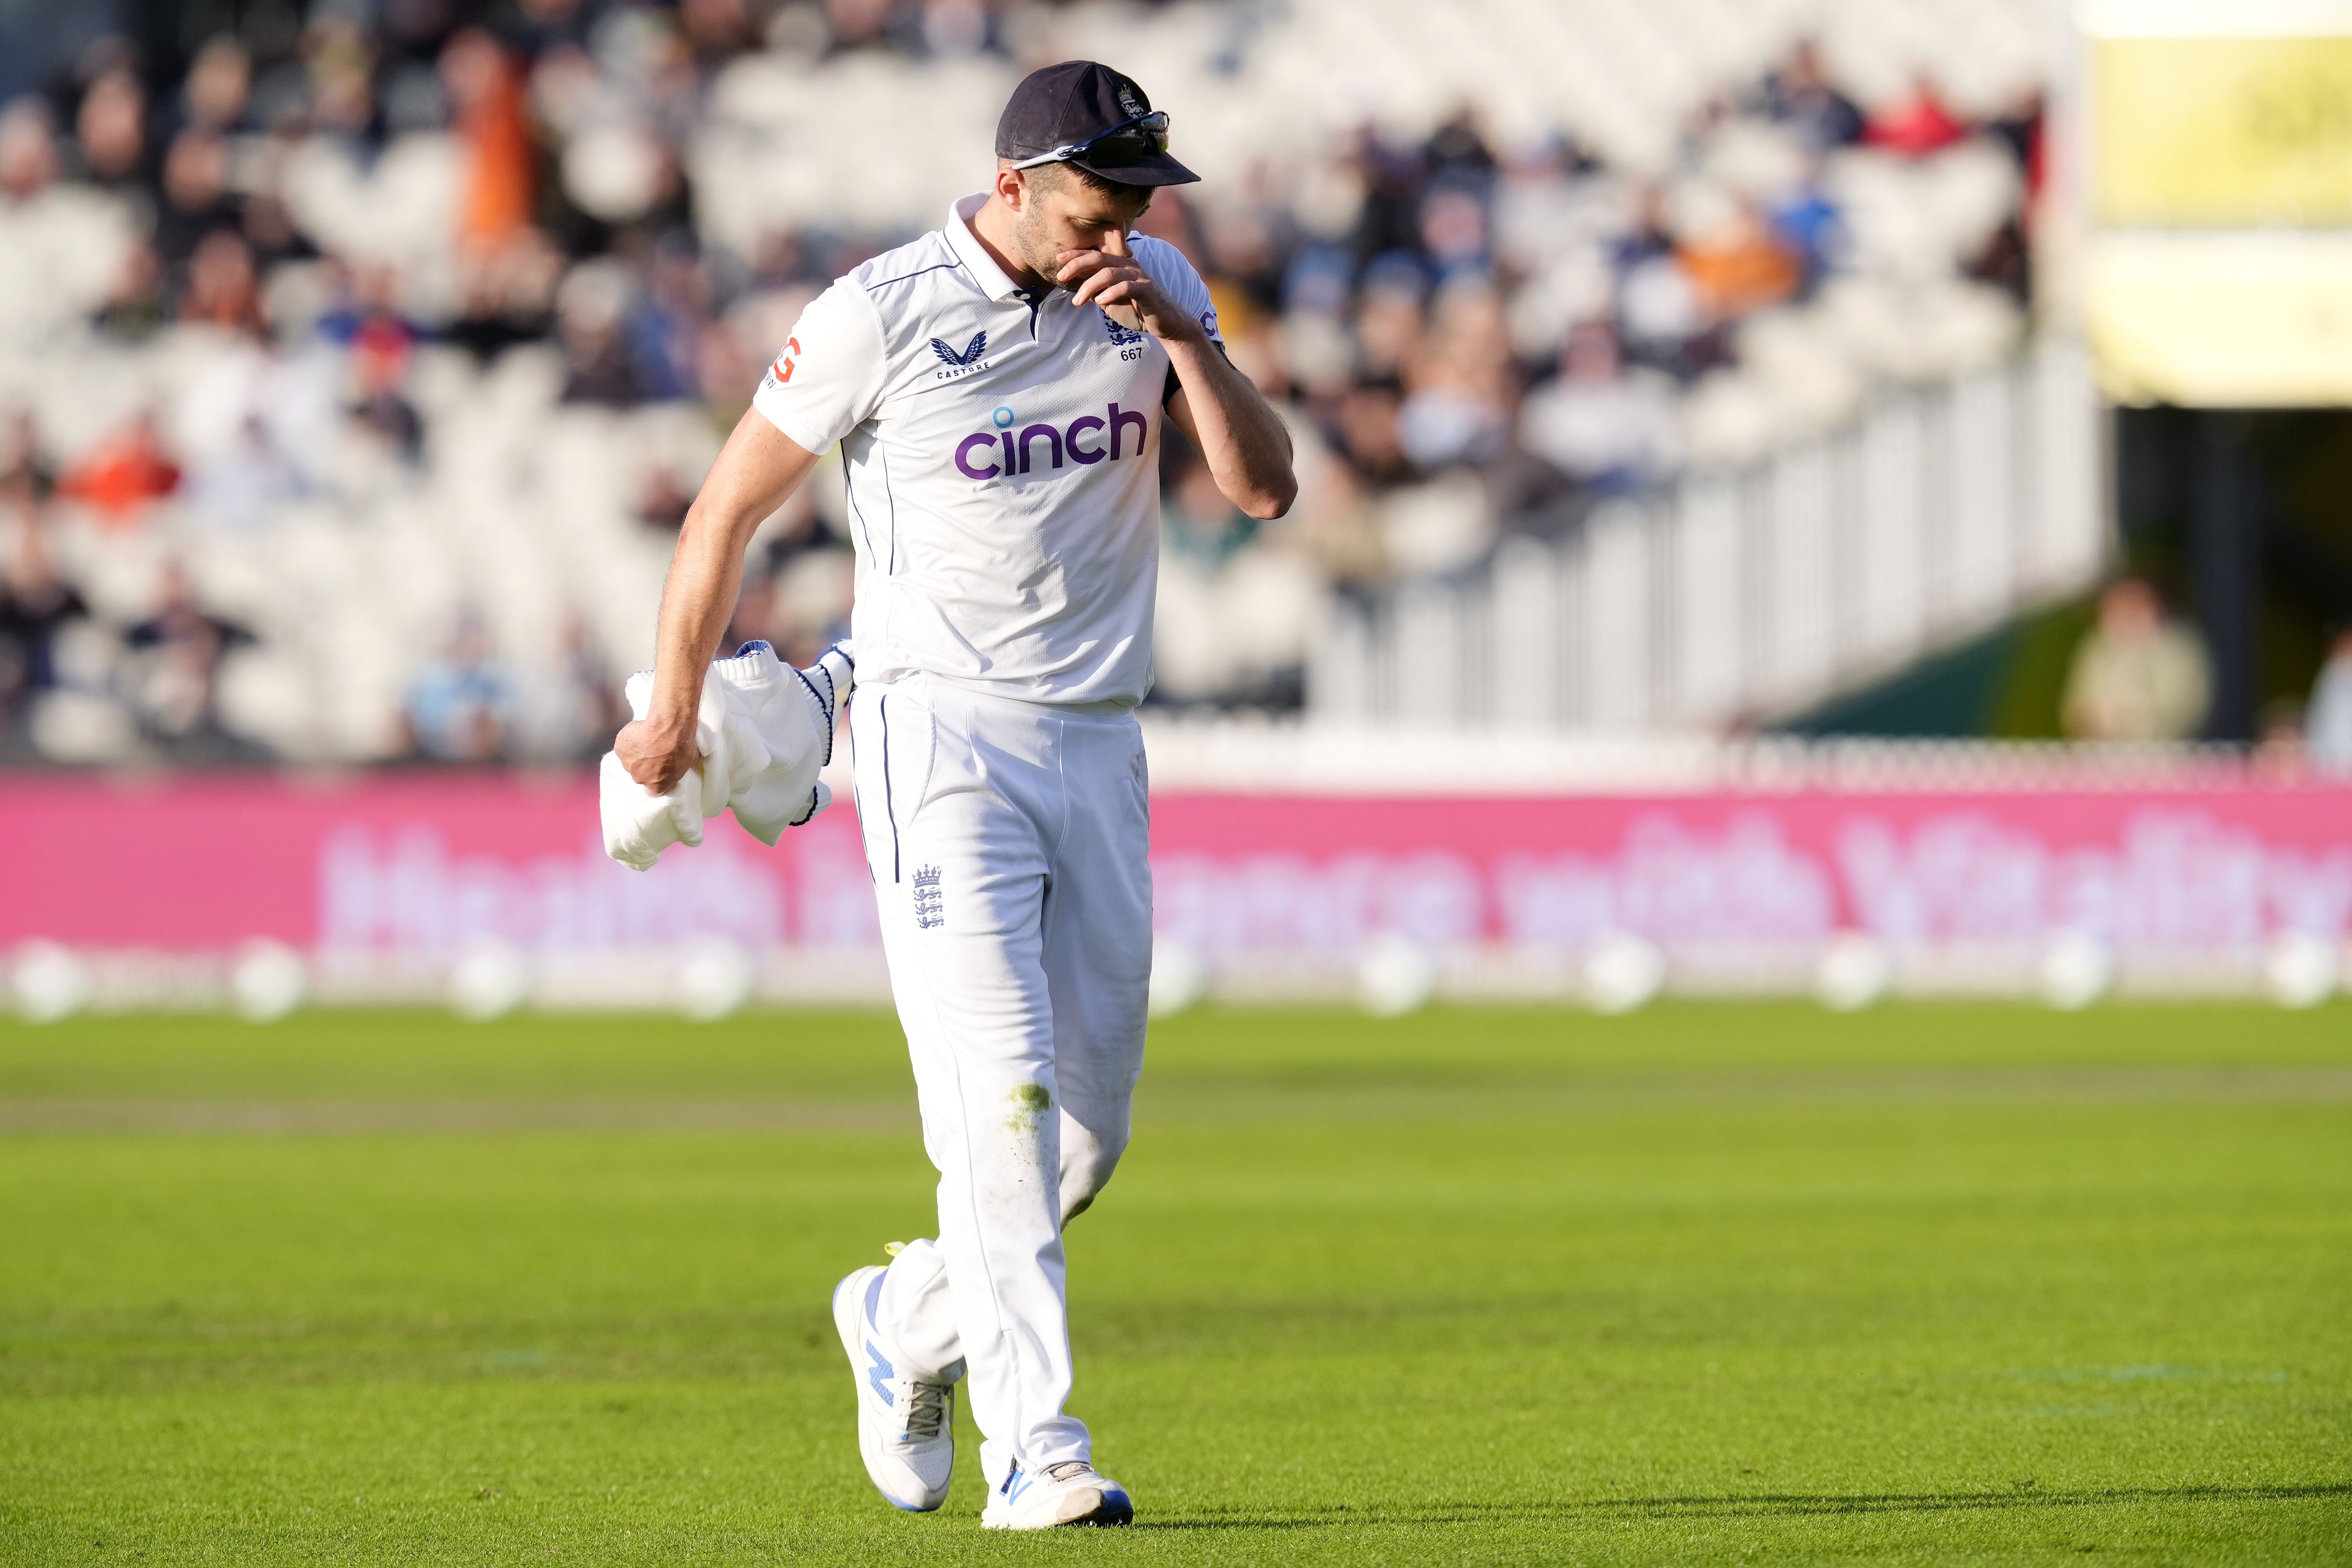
[1003, 465]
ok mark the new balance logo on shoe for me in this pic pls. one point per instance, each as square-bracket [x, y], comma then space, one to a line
[1070, 1491]
[905, 1424]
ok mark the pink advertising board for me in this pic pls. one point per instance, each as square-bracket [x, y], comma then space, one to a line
[427, 863]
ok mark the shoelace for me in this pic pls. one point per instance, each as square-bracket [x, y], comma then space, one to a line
[927, 1407]
[1067, 1470]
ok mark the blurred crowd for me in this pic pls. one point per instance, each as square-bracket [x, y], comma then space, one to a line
[355, 372]
[2142, 675]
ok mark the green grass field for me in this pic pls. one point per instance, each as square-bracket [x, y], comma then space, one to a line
[1711, 1282]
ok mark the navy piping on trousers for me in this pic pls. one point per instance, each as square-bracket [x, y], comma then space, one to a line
[890, 806]
[891, 499]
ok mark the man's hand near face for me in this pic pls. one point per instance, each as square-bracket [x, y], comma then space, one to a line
[1246, 447]
[1112, 278]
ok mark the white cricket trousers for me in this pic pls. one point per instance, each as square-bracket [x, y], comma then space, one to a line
[1009, 845]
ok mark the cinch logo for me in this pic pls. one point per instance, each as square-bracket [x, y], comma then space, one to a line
[1009, 453]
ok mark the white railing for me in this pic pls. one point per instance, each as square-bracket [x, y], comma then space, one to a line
[1740, 595]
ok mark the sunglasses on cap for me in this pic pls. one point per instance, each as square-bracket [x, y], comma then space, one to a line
[1126, 143]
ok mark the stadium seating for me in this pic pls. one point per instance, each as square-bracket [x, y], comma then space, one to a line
[369, 491]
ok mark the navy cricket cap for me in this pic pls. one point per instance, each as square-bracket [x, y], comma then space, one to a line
[1073, 105]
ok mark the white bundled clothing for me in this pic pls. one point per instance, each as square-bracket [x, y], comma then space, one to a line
[764, 729]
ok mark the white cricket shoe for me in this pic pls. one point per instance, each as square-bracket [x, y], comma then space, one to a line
[905, 1425]
[1066, 1493]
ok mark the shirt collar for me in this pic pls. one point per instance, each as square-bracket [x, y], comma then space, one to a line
[974, 255]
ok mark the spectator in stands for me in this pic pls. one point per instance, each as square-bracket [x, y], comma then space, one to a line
[1388, 320]
[268, 224]
[666, 328]
[570, 712]
[663, 499]
[220, 85]
[510, 296]
[1393, 292]
[196, 194]
[1799, 94]
[243, 485]
[1235, 604]
[540, 26]
[221, 289]
[812, 603]
[135, 309]
[1249, 239]
[1461, 381]
[592, 310]
[1611, 429]
[340, 54]
[175, 667]
[1738, 264]
[486, 92]
[1367, 433]
[36, 604]
[28, 150]
[25, 478]
[725, 376]
[1915, 125]
[120, 476]
[1659, 314]
[1197, 519]
[1808, 226]
[110, 133]
[2327, 723]
[365, 308]
[379, 362]
[461, 707]
[1453, 230]
[2137, 676]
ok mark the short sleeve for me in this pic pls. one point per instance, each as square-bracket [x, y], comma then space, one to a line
[827, 378]
[1168, 268]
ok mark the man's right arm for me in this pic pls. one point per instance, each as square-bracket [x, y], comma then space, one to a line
[757, 471]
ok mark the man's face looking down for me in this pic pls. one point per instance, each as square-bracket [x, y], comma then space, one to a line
[1060, 212]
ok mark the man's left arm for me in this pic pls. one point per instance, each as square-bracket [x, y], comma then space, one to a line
[1245, 443]
[1244, 440]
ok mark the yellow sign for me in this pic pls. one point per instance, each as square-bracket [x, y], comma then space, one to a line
[2202, 132]
[2223, 320]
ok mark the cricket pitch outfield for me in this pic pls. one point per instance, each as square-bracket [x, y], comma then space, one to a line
[1713, 1281]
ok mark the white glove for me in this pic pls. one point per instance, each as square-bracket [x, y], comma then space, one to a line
[764, 729]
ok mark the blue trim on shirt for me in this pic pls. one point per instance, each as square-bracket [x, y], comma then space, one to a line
[890, 496]
[849, 491]
[941, 266]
